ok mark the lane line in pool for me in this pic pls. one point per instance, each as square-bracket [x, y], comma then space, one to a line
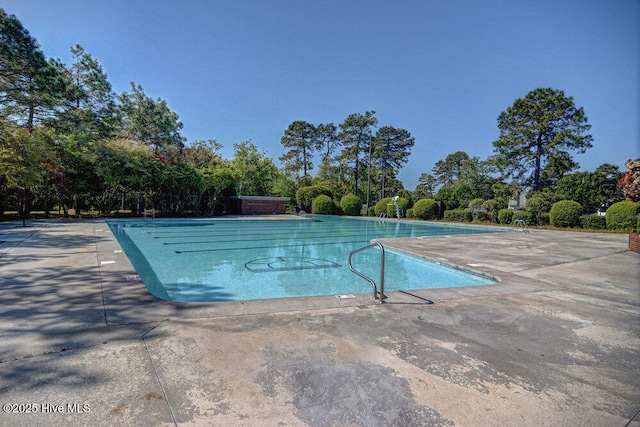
[276, 239]
[269, 247]
[241, 238]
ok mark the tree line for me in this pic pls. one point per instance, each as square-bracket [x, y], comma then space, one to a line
[68, 142]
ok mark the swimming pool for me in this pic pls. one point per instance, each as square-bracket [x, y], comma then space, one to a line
[245, 259]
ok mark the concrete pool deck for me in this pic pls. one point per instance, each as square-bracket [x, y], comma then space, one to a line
[556, 342]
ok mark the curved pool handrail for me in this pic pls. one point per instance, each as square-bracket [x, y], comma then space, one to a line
[368, 279]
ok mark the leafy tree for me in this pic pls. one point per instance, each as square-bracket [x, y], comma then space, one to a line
[256, 172]
[392, 150]
[556, 168]
[447, 195]
[356, 138]
[203, 153]
[592, 190]
[89, 109]
[286, 184]
[629, 182]
[25, 159]
[539, 130]
[327, 141]
[88, 114]
[305, 195]
[502, 190]
[150, 121]
[218, 181]
[475, 174]
[447, 171]
[426, 186]
[458, 194]
[301, 138]
[30, 87]
[123, 166]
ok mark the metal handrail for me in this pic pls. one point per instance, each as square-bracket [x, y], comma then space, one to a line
[520, 223]
[373, 284]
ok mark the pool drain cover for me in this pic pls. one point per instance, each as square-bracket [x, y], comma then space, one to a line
[265, 265]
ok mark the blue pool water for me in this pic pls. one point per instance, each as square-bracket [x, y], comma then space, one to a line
[229, 259]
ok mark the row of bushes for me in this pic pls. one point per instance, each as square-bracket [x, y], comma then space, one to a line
[349, 204]
[621, 216]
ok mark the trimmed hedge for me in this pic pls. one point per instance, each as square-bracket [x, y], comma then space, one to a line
[538, 205]
[565, 213]
[410, 213]
[622, 216]
[593, 222]
[483, 217]
[543, 218]
[381, 206]
[306, 195]
[351, 205]
[336, 209]
[505, 216]
[425, 209]
[322, 205]
[458, 215]
[391, 209]
[371, 211]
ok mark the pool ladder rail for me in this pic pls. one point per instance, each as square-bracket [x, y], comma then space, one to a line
[376, 295]
[520, 225]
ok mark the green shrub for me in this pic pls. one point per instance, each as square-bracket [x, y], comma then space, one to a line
[622, 216]
[407, 195]
[491, 207]
[638, 225]
[410, 213]
[425, 209]
[593, 222]
[565, 213]
[526, 216]
[458, 215]
[322, 205]
[538, 205]
[391, 209]
[482, 216]
[371, 211]
[306, 195]
[504, 216]
[476, 204]
[449, 215]
[336, 210]
[350, 204]
[543, 219]
[381, 206]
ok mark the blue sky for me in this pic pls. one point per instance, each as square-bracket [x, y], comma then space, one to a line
[444, 70]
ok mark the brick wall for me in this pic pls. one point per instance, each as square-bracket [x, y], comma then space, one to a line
[634, 242]
[263, 207]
